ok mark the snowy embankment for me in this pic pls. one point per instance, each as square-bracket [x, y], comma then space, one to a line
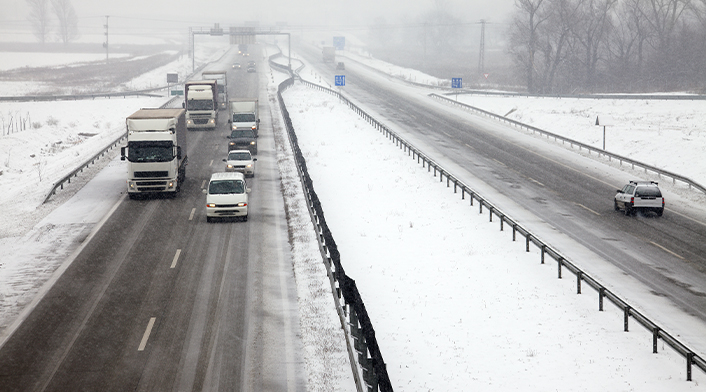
[455, 303]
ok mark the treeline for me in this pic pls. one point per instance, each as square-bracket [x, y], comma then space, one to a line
[570, 46]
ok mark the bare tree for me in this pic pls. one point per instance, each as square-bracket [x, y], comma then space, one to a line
[440, 27]
[68, 21]
[524, 36]
[589, 29]
[39, 18]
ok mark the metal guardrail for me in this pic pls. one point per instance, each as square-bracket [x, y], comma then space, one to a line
[75, 97]
[358, 324]
[692, 358]
[647, 168]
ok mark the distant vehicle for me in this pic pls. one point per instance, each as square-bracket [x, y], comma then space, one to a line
[220, 77]
[156, 151]
[243, 139]
[251, 63]
[251, 68]
[227, 196]
[241, 161]
[639, 196]
[329, 54]
[236, 65]
[341, 65]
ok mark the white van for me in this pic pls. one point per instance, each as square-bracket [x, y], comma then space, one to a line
[227, 196]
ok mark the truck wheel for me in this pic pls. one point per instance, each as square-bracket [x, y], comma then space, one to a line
[660, 212]
[628, 210]
[245, 218]
[209, 219]
[615, 205]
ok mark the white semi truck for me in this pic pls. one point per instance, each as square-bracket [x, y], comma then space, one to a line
[244, 114]
[155, 151]
[201, 103]
[220, 77]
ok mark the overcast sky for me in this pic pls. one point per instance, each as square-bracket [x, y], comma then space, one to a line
[297, 12]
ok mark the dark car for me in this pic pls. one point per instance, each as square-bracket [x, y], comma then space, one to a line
[341, 65]
[236, 65]
[251, 69]
[243, 139]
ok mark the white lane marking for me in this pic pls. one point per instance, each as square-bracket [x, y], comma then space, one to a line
[587, 209]
[446, 134]
[203, 184]
[499, 162]
[666, 250]
[537, 182]
[191, 216]
[176, 258]
[469, 146]
[146, 336]
[211, 164]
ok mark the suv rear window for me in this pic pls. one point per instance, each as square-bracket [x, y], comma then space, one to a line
[647, 191]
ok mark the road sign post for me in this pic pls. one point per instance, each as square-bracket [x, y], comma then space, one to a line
[456, 83]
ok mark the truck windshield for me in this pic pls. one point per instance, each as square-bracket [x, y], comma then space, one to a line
[222, 187]
[150, 151]
[243, 117]
[199, 104]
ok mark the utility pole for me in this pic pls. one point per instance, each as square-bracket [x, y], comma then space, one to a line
[481, 55]
[105, 44]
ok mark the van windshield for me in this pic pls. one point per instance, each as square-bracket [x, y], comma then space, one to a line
[222, 187]
[243, 117]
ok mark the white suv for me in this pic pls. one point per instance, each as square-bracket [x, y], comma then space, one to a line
[639, 196]
[241, 161]
[227, 196]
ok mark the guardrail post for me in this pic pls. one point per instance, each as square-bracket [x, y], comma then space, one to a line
[544, 249]
[491, 213]
[601, 294]
[502, 220]
[626, 315]
[655, 336]
[481, 207]
[689, 361]
[579, 276]
[514, 231]
[559, 262]
[527, 241]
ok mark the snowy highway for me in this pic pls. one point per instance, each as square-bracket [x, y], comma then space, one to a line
[159, 299]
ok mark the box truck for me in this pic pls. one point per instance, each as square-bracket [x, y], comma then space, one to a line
[244, 114]
[201, 103]
[155, 152]
[220, 77]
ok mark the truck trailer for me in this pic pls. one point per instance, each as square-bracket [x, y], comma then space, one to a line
[201, 103]
[220, 77]
[155, 151]
[329, 54]
[244, 114]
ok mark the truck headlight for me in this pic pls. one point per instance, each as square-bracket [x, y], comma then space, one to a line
[171, 184]
[252, 143]
[189, 122]
[210, 205]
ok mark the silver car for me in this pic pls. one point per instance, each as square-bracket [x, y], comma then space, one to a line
[241, 161]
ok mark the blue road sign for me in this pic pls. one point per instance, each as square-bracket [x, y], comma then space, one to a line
[340, 80]
[456, 82]
[339, 43]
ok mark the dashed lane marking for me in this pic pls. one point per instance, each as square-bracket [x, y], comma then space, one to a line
[146, 336]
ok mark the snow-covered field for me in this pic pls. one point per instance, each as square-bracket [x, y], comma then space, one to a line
[12, 60]
[454, 310]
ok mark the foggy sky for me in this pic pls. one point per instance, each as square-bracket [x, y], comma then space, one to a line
[268, 12]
